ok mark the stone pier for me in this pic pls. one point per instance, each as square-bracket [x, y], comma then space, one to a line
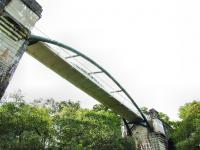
[149, 139]
[17, 18]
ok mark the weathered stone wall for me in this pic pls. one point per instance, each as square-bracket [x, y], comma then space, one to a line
[17, 18]
[148, 140]
[12, 41]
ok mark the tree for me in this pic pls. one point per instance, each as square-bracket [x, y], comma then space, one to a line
[100, 107]
[145, 110]
[89, 129]
[190, 110]
[187, 131]
[23, 126]
[52, 125]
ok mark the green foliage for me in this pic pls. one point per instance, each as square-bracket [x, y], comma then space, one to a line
[23, 126]
[83, 129]
[190, 110]
[51, 125]
[145, 110]
[164, 117]
[100, 107]
[186, 133]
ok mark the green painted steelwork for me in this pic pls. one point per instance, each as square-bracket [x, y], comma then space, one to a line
[34, 39]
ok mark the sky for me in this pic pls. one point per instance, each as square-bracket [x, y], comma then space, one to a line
[150, 47]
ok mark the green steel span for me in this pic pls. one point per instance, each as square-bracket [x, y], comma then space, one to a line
[44, 54]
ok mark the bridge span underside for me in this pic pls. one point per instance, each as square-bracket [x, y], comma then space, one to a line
[43, 53]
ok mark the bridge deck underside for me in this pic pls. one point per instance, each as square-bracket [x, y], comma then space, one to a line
[43, 53]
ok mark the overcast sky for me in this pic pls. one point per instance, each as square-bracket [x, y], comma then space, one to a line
[150, 47]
